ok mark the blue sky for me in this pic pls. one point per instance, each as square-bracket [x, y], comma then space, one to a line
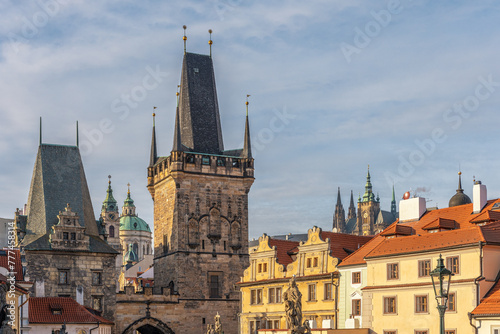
[410, 87]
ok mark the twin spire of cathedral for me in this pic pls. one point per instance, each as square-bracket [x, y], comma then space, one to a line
[197, 121]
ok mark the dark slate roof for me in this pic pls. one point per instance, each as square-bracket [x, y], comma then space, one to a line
[198, 106]
[385, 217]
[58, 179]
[350, 225]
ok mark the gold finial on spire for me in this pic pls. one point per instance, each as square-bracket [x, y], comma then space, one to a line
[184, 38]
[459, 173]
[154, 114]
[128, 185]
[109, 177]
[210, 41]
[246, 103]
[177, 94]
[368, 166]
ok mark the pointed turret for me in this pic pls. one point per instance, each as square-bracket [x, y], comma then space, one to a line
[128, 208]
[177, 147]
[393, 203]
[247, 145]
[109, 203]
[154, 156]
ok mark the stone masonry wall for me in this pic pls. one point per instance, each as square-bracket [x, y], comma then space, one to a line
[43, 265]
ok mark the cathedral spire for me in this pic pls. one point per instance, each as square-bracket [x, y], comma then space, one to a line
[339, 217]
[247, 146]
[154, 155]
[177, 132]
[339, 200]
[351, 213]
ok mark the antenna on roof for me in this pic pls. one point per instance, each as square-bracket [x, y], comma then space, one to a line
[77, 141]
[210, 41]
[246, 103]
[184, 38]
[40, 141]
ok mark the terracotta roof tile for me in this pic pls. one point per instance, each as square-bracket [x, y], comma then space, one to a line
[490, 304]
[486, 216]
[397, 229]
[283, 247]
[39, 311]
[341, 245]
[466, 233]
[443, 223]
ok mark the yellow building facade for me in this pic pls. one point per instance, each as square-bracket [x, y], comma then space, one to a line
[314, 263]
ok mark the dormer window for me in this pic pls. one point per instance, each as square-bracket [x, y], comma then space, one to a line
[56, 309]
[440, 224]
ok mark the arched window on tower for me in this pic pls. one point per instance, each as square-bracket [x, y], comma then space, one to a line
[111, 231]
[143, 250]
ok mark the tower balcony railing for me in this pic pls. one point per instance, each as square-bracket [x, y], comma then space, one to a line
[202, 163]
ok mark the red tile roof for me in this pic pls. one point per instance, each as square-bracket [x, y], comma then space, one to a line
[397, 229]
[487, 216]
[442, 223]
[15, 257]
[283, 247]
[341, 245]
[466, 232]
[39, 311]
[490, 304]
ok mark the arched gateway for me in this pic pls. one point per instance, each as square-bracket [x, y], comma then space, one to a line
[148, 326]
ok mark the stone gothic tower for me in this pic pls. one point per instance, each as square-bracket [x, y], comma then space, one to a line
[368, 209]
[200, 195]
[339, 217]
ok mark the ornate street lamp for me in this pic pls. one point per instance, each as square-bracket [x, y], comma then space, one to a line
[441, 276]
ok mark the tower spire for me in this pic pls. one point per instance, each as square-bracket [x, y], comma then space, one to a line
[109, 203]
[247, 145]
[210, 41]
[177, 132]
[460, 182]
[40, 141]
[154, 156]
[351, 213]
[368, 196]
[339, 216]
[184, 38]
[77, 139]
[393, 202]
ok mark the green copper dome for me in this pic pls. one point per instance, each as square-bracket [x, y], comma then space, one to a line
[133, 223]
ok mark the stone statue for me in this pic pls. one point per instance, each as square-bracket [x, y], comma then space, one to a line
[210, 329]
[293, 309]
[218, 325]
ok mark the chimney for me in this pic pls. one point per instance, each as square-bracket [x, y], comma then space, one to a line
[478, 196]
[39, 288]
[411, 209]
